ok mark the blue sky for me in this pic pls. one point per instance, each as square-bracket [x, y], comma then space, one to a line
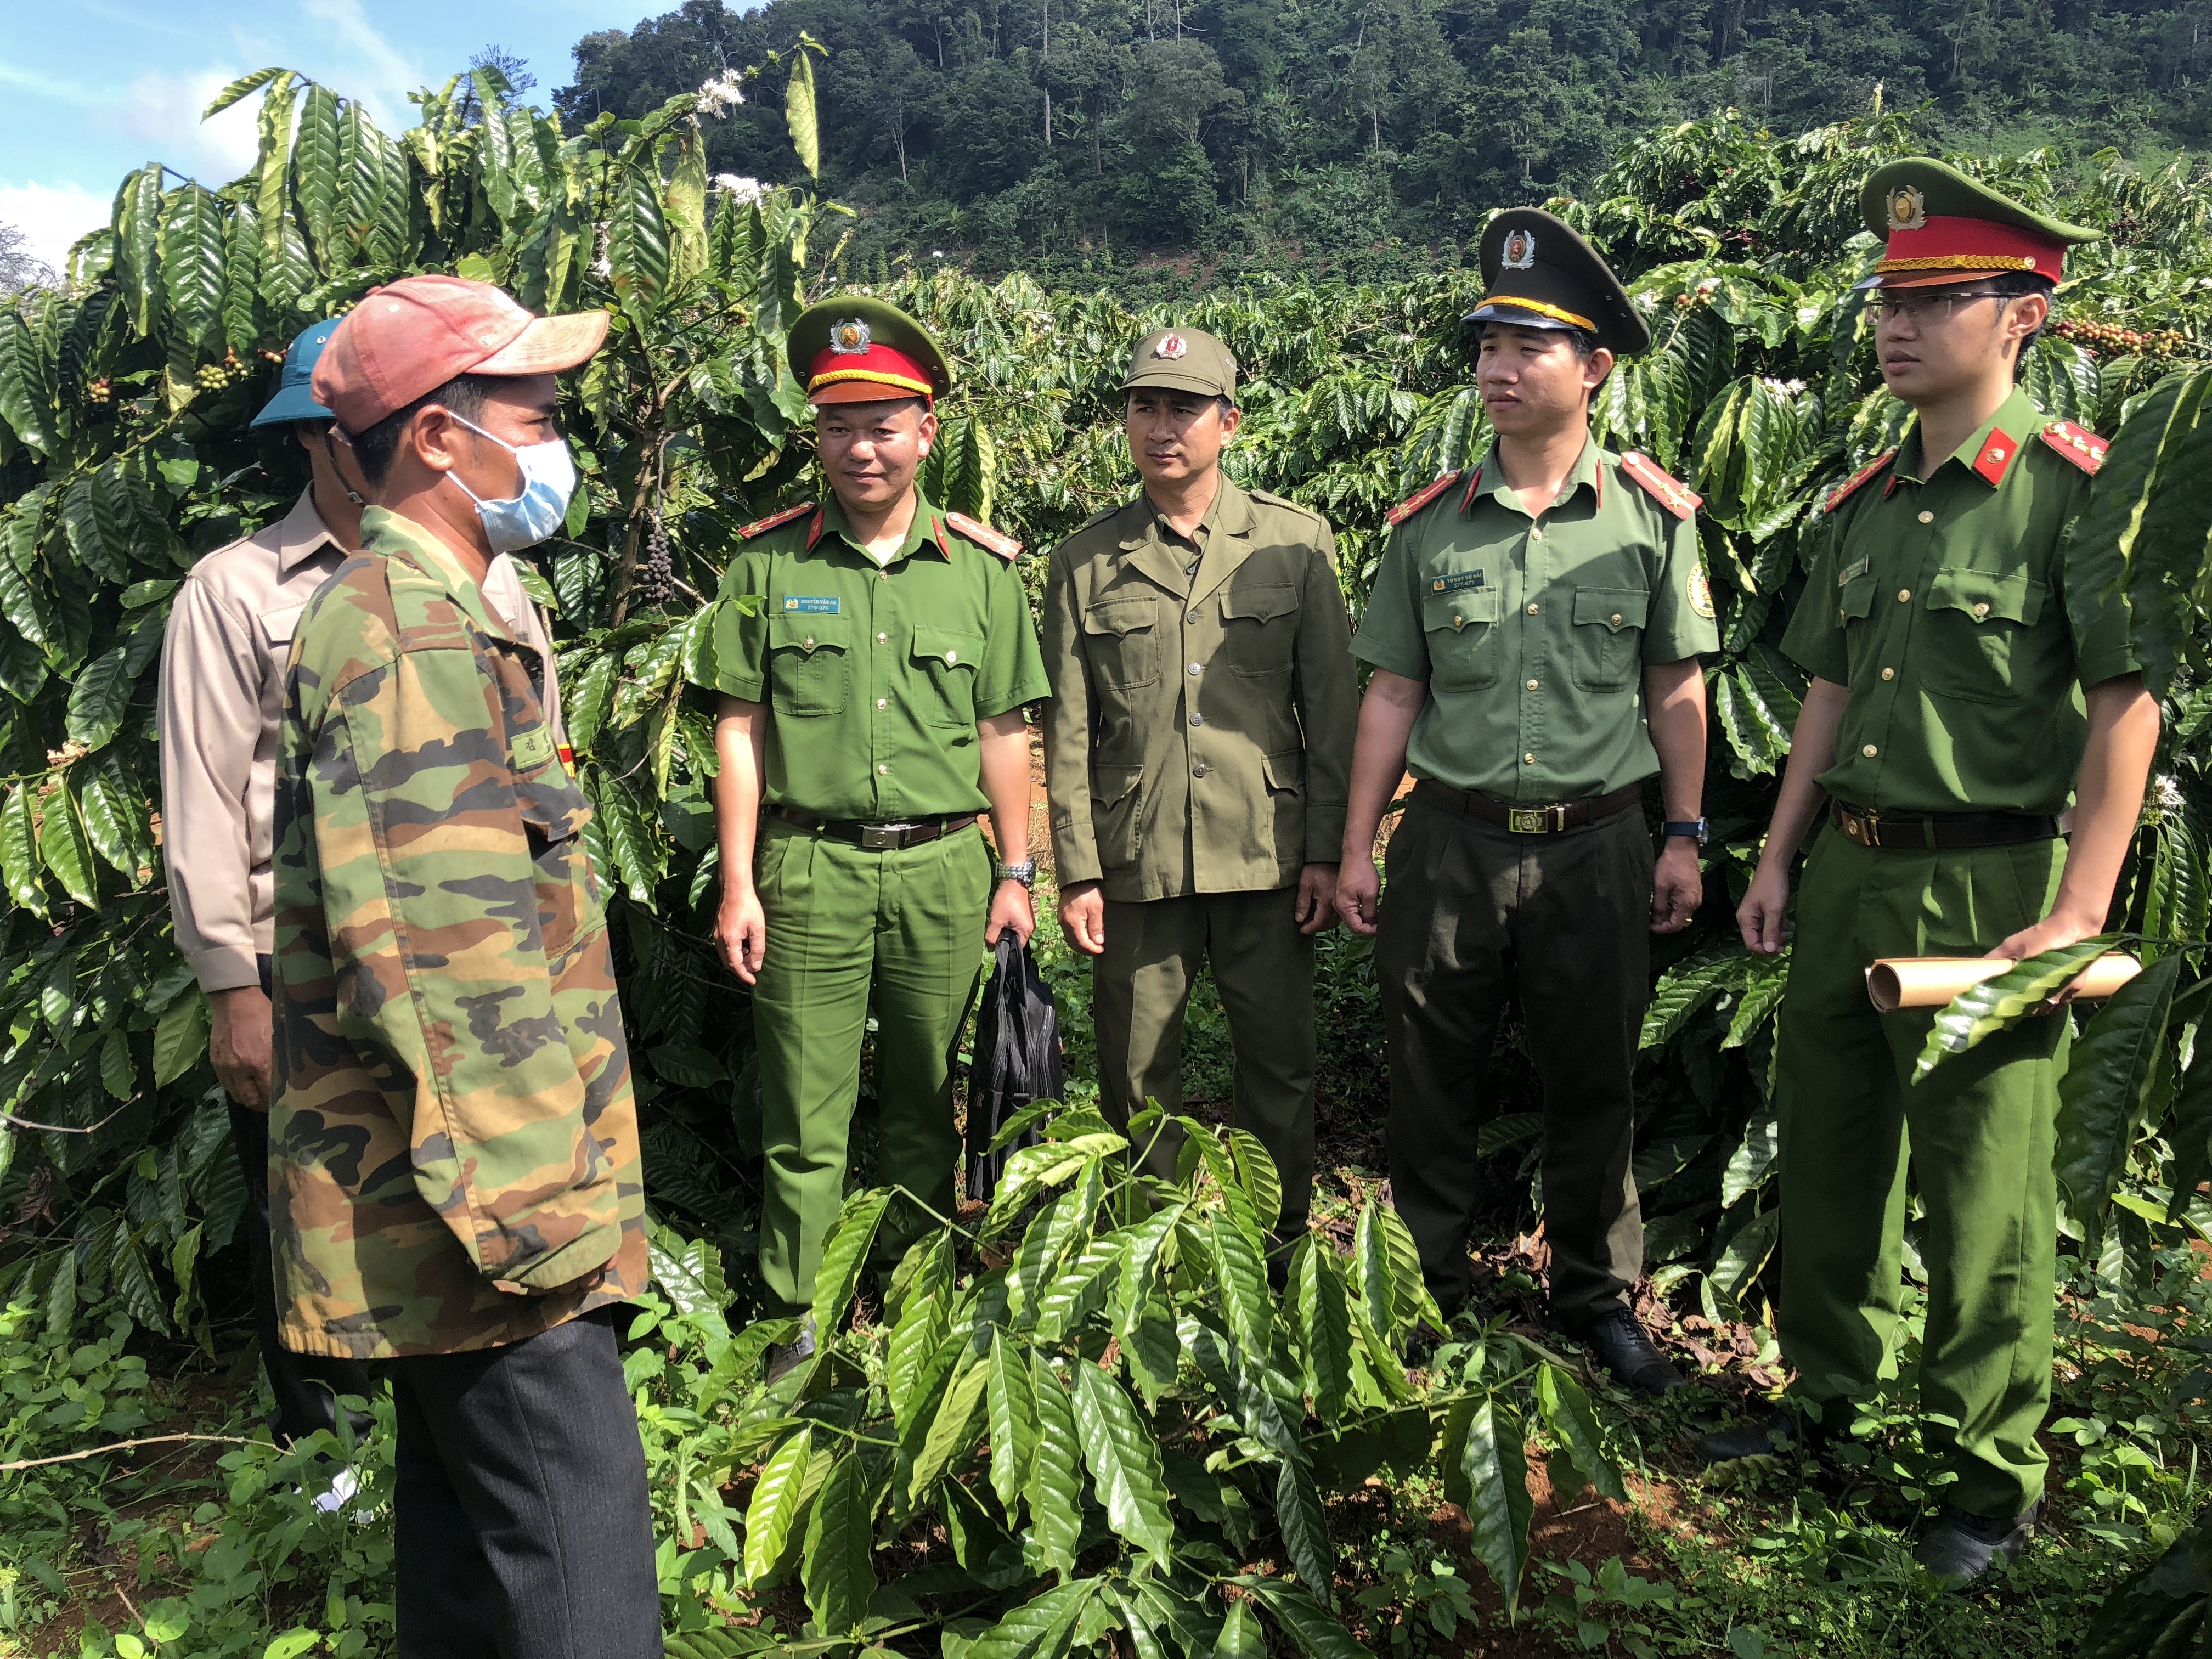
[90, 88]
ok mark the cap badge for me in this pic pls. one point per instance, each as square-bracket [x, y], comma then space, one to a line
[1519, 251]
[1908, 209]
[848, 338]
[1171, 346]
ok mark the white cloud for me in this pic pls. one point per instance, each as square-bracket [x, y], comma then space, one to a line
[369, 67]
[51, 216]
[162, 113]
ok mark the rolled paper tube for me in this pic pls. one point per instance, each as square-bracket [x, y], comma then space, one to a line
[1930, 981]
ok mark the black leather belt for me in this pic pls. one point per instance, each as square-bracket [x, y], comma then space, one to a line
[876, 838]
[1923, 832]
[1526, 820]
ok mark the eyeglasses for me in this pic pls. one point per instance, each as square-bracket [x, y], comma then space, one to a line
[1920, 309]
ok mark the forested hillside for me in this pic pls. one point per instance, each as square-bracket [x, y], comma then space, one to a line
[1358, 136]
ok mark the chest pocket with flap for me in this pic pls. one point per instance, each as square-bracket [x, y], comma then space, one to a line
[1259, 626]
[808, 665]
[1461, 630]
[1977, 619]
[1608, 636]
[1120, 637]
[947, 658]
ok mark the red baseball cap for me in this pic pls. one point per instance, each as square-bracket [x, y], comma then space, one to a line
[406, 340]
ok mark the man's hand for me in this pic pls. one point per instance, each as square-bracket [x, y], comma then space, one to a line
[741, 929]
[2058, 928]
[1316, 906]
[1760, 917]
[1358, 894]
[1082, 916]
[1010, 907]
[1678, 886]
[242, 1044]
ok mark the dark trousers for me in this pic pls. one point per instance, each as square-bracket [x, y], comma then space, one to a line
[524, 1529]
[1471, 912]
[305, 1386]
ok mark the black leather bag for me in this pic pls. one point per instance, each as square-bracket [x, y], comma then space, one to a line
[1017, 1060]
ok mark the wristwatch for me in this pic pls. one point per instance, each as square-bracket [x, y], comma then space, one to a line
[1692, 828]
[1024, 872]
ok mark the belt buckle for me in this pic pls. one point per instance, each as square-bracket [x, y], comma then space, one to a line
[882, 837]
[1864, 827]
[1534, 820]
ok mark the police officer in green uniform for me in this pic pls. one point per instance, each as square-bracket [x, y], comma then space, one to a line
[871, 709]
[1960, 694]
[1533, 630]
[1196, 747]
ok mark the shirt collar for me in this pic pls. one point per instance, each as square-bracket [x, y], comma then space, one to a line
[1489, 480]
[1988, 455]
[387, 533]
[301, 534]
[1230, 511]
[927, 530]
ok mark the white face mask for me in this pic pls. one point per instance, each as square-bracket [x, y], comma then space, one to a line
[549, 480]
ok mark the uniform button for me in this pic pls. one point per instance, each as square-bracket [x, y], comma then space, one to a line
[1457, 620]
[1532, 684]
[883, 639]
[1198, 719]
[1199, 771]
[883, 702]
[1615, 619]
[1531, 610]
[1192, 618]
[1193, 668]
[886, 767]
[1981, 610]
[1535, 532]
[1926, 517]
[952, 656]
[1889, 673]
[1903, 594]
[1870, 751]
[1528, 760]
[810, 639]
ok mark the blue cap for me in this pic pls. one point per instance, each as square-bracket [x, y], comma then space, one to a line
[293, 401]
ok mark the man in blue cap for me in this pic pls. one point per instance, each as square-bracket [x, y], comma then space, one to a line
[221, 702]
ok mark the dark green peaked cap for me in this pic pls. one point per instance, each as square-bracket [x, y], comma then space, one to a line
[1942, 227]
[1538, 273]
[848, 348]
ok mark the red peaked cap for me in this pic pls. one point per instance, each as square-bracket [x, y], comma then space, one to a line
[869, 376]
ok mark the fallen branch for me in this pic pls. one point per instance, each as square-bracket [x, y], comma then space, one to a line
[130, 1445]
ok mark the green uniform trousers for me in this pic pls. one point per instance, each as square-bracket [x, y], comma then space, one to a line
[901, 931]
[1979, 1135]
[1471, 912]
[1263, 967]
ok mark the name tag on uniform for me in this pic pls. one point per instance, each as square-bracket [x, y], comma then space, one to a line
[1454, 584]
[531, 747]
[819, 604]
[1853, 570]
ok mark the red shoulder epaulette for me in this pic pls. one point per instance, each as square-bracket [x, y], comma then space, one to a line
[760, 526]
[1412, 504]
[983, 536]
[2077, 444]
[1837, 495]
[1677, 497]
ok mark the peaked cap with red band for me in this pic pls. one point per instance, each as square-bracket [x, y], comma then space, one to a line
[1942, 227]
[858, 350]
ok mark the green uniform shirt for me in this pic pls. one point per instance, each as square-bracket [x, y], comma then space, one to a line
[1938, 600]
[1199, 734]
[1533, 633]
[876, 676]
[452, 1140]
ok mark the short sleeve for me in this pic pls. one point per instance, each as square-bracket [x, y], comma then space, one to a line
[1013, 663]
[2102, 650]
[1390, 635]
[740, 640]
[1814, 640]
[1681, 623]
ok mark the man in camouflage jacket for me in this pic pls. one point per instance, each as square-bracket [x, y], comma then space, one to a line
[454, 1145]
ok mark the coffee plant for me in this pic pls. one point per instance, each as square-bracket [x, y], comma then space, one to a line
[1085, 1389]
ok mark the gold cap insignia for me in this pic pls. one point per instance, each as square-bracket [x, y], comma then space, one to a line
[1908, 209]
[848, 338]
[1519, 251]
[1170, 346]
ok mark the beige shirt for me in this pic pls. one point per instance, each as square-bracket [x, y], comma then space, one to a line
[221, 704]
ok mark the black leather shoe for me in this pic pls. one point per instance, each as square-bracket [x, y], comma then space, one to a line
[1780, 1435]
[1962, 1547]
[782, 1360]
[1624, 1347]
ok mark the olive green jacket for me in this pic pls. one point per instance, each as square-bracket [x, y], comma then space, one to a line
[1199, 738]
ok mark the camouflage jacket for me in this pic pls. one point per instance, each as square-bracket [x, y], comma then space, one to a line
[453, 1147]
